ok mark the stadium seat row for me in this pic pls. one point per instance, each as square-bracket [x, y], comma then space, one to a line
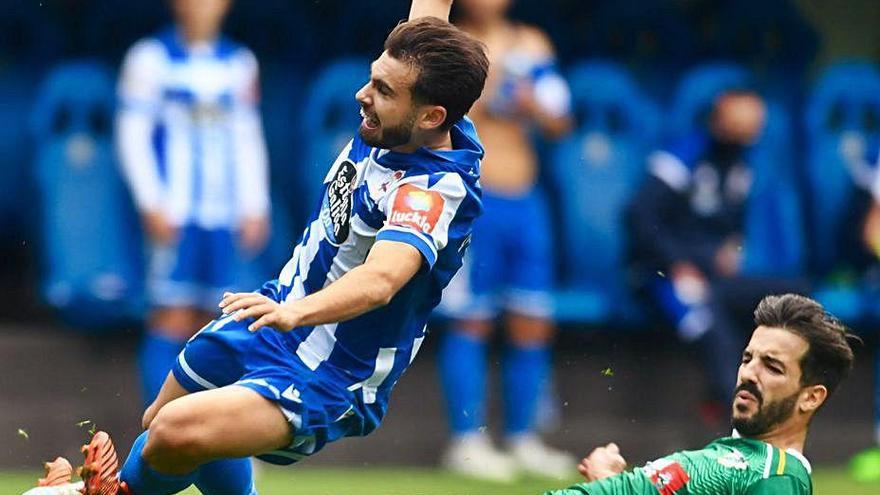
[799, 207]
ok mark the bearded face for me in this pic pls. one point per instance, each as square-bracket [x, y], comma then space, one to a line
[753, 417]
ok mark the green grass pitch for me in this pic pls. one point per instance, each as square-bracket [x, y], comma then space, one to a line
[411, 481]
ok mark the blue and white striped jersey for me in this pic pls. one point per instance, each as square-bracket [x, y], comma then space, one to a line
[189, 133]
[428, 199]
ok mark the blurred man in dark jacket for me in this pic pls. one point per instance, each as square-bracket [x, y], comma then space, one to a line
[687, 223]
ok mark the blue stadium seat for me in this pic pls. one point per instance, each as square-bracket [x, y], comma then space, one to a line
[843, 114]
[281, 105]
[594, 172]
[775, 237]
[844, 111]
[90, 236]
[329, 120]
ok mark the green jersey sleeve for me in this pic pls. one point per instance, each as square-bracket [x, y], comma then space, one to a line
[628, 483]
[779, 485]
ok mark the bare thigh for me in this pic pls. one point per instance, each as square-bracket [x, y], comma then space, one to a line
[227, 422]
[170, 391]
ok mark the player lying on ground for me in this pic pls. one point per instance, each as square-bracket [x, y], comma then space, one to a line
[312, 356]
[797, 356]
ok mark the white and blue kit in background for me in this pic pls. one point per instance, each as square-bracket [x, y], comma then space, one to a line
[191, 146]
[334, 380]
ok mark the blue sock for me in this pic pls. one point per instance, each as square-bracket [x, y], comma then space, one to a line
[144, 480]
[227, 477]
[156, 357]
[524, 376]
[462, 364]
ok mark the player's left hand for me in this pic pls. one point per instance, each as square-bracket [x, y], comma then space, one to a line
[267, 312]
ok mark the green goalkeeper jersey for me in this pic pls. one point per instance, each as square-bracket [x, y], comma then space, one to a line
[727, 466]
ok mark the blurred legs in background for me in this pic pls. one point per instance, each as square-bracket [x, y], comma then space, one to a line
[508, 270]
[186, 281]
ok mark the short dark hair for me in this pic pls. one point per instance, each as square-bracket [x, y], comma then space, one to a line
[452, 65]
[829, 358]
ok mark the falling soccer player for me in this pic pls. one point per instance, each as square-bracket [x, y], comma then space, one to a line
[313, 356]
[796, 358]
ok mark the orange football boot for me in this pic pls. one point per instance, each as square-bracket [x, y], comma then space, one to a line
[100, 473]
[58, 472]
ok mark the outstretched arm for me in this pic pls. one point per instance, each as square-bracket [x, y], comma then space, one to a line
[389, 266]
[430, 8]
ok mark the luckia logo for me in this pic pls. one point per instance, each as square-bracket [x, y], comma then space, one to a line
[418, 201]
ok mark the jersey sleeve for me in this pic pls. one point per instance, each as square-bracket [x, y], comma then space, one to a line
[778, 485]
[626, 483]
[140, 85]
[420, 211]
[251, 157]
[579, 489]
[140, 91]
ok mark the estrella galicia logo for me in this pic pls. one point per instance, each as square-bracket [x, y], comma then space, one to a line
[337, 205]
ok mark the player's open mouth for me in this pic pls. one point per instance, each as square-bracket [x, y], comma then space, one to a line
[370, 121]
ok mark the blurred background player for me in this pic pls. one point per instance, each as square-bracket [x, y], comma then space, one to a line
[796, 358]
[687, 224]
[191, 145]
[511, 257]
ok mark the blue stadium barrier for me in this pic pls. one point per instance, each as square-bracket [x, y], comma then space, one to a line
[279, 31]
[652, 37]
[842, 117]
[110, 27]
[29, 42]
[90, 236]
[28, 36]
[16, 95]
[329, 120]
[359, 28]
[772, 34]
[594, 172]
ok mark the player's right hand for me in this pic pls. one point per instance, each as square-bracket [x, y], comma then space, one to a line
[158, 228]
[602, 462]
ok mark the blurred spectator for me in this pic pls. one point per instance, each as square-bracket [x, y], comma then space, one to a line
[510, 264]
[687, 225]
[191, 145]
